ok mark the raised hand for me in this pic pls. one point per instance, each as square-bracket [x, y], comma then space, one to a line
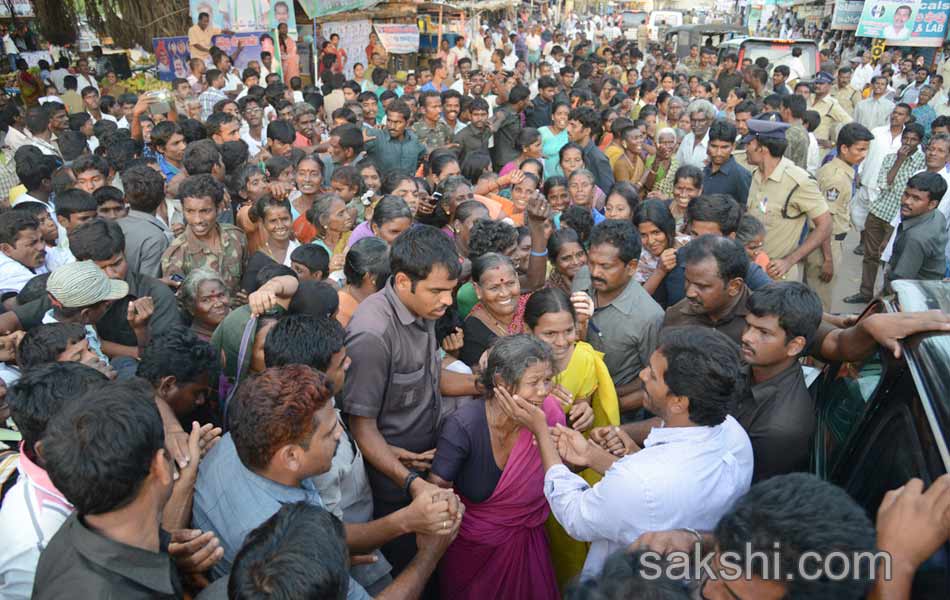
[581, 416]
[912, 523]
[583, 306]
[523, 412]
[538, 209]
[454, 341]
[140, 311]
[571, 445]
[195, 551]
[416, 461]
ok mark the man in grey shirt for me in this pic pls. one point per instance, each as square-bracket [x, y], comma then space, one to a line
[392, 391]
[922, 234]
[268, 459]
[627, 320]
[146, 236]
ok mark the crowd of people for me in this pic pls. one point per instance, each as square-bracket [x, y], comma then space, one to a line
[498, 328]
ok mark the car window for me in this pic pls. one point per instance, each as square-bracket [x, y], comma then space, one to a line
[841, 402]
[888, 456]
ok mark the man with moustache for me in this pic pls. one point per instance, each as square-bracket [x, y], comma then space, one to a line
[626, 320]
[716, 292]
[776, 409]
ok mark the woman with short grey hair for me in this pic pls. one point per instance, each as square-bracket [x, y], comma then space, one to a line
[493, 464]
[204, 296]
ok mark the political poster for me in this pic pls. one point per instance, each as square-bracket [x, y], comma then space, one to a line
[249, 42]
[903, 23]
[172, 55]
[246, 15]
[354, 35]
[847, 14]
[398, 38]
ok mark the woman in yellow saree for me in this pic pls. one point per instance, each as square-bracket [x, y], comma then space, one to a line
[582, 378]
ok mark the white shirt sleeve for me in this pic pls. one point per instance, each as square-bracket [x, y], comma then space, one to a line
[13, 276]
[591, 513]
[681, 154]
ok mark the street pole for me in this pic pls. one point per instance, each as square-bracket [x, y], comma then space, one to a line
[438, 42]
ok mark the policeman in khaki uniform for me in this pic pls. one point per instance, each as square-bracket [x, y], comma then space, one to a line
[836, 180]
[784, 197]
[833, 115]
[844, 92]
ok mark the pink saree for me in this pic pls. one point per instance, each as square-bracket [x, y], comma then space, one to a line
[501, 550]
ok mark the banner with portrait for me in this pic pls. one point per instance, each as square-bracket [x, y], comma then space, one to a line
[171, 56]
[904, 23]
[246, 15]
[250, 44]
[354, 37]
[847, 14]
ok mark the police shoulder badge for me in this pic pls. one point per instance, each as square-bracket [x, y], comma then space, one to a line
[831, 195]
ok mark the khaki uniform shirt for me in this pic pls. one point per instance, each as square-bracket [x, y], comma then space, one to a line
[847, 97]
[742, 159]
[783, 220]
[833, 116]
[836, 182]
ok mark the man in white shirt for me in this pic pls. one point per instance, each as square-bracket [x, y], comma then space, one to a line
[693, 147]
[887, 140]
[457, 53]
[39, 129]
[22, 251]
[875, 110]
[33, 509]
[84, 78]
[911, 93]
[904, 75]
[863, 71]
[9, 47]
[690, 470]
[511, 59]
[58, 75]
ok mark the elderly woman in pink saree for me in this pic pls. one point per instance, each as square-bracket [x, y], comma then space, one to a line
[501, 551]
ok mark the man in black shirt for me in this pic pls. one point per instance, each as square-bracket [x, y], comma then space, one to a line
[583, 128]
[728, 78]
[776, 410]
[506, 123]
[104, 243]
[538, 113]
[112, 546]
[922, 234]
[474, 137]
